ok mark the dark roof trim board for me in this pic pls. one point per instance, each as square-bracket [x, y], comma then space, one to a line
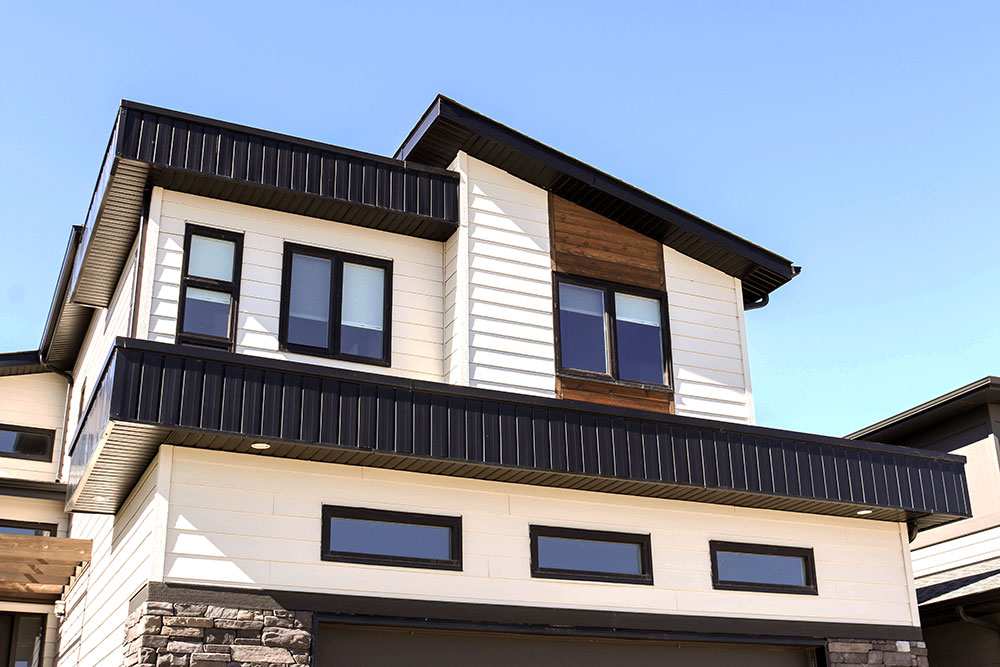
[150, 146]
[153, 393]
[448, 127]
[925, 415]
[21, 363]
[26, 488]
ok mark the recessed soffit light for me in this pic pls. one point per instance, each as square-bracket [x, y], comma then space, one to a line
[260, 445]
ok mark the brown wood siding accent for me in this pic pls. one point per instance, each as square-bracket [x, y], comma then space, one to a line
[591, 246]
[606, 393]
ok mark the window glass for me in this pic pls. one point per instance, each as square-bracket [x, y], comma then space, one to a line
[309, 301]
[207, 312]
[363, 310]
[27, 642]
[387, 538]
[23, 530]
[761, 568]
[640, 346]
[581, 328]
[211, 258]
[562, 553]
[30, 445]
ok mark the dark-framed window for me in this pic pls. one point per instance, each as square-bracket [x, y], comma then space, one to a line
[383, 537]
[590, 555]
[336, 304]
[764, 568]
[10, 527]
[22, 639]
[24, 442]
[611, 332]
[210, 287]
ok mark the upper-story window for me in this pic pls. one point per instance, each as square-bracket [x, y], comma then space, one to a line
[765, 568]
[22, 442]
[611, 332]
[210, 287]
[10, 527]
[336, 304]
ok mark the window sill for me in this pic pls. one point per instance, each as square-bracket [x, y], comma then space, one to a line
[605, 380]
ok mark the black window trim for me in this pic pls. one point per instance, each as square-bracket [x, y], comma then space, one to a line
[36, 525]
[33, 431]
[230, 288]
[806, 553]
[338, 259]
[454, 523]
[641, 539]
[609, 288]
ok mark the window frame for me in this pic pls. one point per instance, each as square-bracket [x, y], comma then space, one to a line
[36, 525]
[611, 334]
[337, 258]
[454, 523]
[641, 539]
[47, 457]
[16, 617]
[806, 553]
[232, 288]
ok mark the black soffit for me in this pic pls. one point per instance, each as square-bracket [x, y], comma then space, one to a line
[150, 146]
[153, 393]
[448, 127]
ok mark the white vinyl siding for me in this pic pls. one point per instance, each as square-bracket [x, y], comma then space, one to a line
[708, 340]
[245, 520]
[417, 296]
[35, 400]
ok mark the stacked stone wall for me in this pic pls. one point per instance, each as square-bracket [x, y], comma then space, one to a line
[862, 653]
[161, 634]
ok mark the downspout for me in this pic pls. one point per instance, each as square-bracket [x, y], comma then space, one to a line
[760, 303]
[912, 528]
[976, 621]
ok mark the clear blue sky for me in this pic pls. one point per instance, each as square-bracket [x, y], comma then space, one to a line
[861, 140]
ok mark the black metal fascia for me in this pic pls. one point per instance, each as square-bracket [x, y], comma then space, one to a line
[220, 399]
[762, 269]
[20, 363]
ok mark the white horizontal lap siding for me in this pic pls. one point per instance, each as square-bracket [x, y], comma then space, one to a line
[510, 325]
[417, 295]
[957, 552]
[38, 401]
[35, 510]
[92, 632]
[708, 341]
[251, 521]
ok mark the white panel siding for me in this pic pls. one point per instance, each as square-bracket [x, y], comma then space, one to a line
[37, 400]
[36, 510]
[708, 340]
[92, 633]
[964, 550]
[509, 298]
[246, 520]
[417, 298]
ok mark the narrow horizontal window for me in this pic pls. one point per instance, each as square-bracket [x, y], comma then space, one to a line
[210, 282]
[27, 528]
[763, 568]
[379, 537]
[21, 442]
[336, 305]
[590, 555]
[611, 332]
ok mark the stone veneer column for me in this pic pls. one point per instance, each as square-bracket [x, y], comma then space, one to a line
[161, 634]
[855, 652]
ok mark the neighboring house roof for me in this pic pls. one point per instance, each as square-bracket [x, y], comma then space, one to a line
[960, 582]
[448, 127]
[20, 363]
[975, 394]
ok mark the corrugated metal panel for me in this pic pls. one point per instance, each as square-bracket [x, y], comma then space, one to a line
[448, 127]
[152, 146]
[222, 400]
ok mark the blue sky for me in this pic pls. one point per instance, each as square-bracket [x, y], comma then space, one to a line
[861, 140]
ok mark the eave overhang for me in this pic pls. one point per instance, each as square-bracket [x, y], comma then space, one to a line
[154, 393]
[926, 415]
[448, 127]
[151, 146]
[21, 363]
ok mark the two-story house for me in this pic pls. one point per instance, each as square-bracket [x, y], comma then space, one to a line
[957, 567]
[479, 402]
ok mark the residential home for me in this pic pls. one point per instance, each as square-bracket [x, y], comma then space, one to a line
[957, 567]
[476, 402]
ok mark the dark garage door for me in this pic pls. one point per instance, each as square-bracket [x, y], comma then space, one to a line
[364, 646]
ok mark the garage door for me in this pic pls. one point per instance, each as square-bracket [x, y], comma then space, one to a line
[363, 646]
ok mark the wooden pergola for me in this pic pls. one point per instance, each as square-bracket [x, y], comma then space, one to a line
[35, 569]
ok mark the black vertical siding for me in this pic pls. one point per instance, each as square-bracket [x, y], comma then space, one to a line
[234, 394]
